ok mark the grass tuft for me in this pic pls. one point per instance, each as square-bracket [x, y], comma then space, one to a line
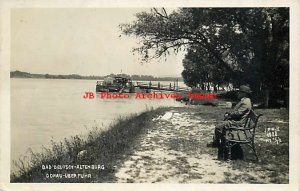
[108, 148]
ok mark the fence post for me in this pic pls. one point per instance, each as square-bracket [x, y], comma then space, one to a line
[174, 85]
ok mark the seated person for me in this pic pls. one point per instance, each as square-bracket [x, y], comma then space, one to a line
[237, 117]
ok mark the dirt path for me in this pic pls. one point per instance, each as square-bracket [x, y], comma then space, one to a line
[174, 150]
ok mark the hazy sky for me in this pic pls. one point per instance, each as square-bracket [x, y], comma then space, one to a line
[80, 41]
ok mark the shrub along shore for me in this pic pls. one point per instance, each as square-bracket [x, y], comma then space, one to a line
[91, 159]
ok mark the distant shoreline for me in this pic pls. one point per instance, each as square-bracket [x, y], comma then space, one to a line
[20, 74]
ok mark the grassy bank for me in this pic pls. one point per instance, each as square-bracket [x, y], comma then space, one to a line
[103, 149]
[175, 151]
[140, 149]
[273, 164]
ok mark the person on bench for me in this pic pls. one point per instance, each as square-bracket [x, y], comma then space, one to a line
[236, 118]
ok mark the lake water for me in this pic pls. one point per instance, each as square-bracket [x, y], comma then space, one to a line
[53, 109]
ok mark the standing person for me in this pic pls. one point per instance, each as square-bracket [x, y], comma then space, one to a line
[237, 117]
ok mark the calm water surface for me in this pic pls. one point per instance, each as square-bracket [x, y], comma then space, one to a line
[45, 109]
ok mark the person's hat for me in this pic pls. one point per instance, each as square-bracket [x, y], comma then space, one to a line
[245, 89]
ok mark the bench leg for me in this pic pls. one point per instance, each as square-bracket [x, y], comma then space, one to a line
[253, 148]
[225, 151]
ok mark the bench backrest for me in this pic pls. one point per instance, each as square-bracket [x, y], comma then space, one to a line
[251, 123]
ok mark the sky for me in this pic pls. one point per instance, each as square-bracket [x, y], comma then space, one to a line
[83, 41]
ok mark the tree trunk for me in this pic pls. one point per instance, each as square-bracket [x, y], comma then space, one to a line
[287, 96]
[202, 86]
[266, 97]
[215, 88]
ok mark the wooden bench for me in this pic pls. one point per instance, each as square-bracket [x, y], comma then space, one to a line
[242, 135]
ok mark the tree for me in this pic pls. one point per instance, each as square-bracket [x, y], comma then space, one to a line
[251, 44]
[200, 68]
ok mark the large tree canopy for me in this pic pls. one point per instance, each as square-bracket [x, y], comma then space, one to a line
[236, 45]
[201, 69]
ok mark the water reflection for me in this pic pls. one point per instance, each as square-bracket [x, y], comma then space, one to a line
[45, 109]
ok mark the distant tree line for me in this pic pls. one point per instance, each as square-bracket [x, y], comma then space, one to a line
[222, 45]
[19, 74]
[146, 77]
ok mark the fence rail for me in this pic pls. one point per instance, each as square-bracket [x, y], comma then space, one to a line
[158, 86]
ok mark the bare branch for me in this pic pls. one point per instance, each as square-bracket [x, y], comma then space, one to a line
[164, 10]
[158, 13]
